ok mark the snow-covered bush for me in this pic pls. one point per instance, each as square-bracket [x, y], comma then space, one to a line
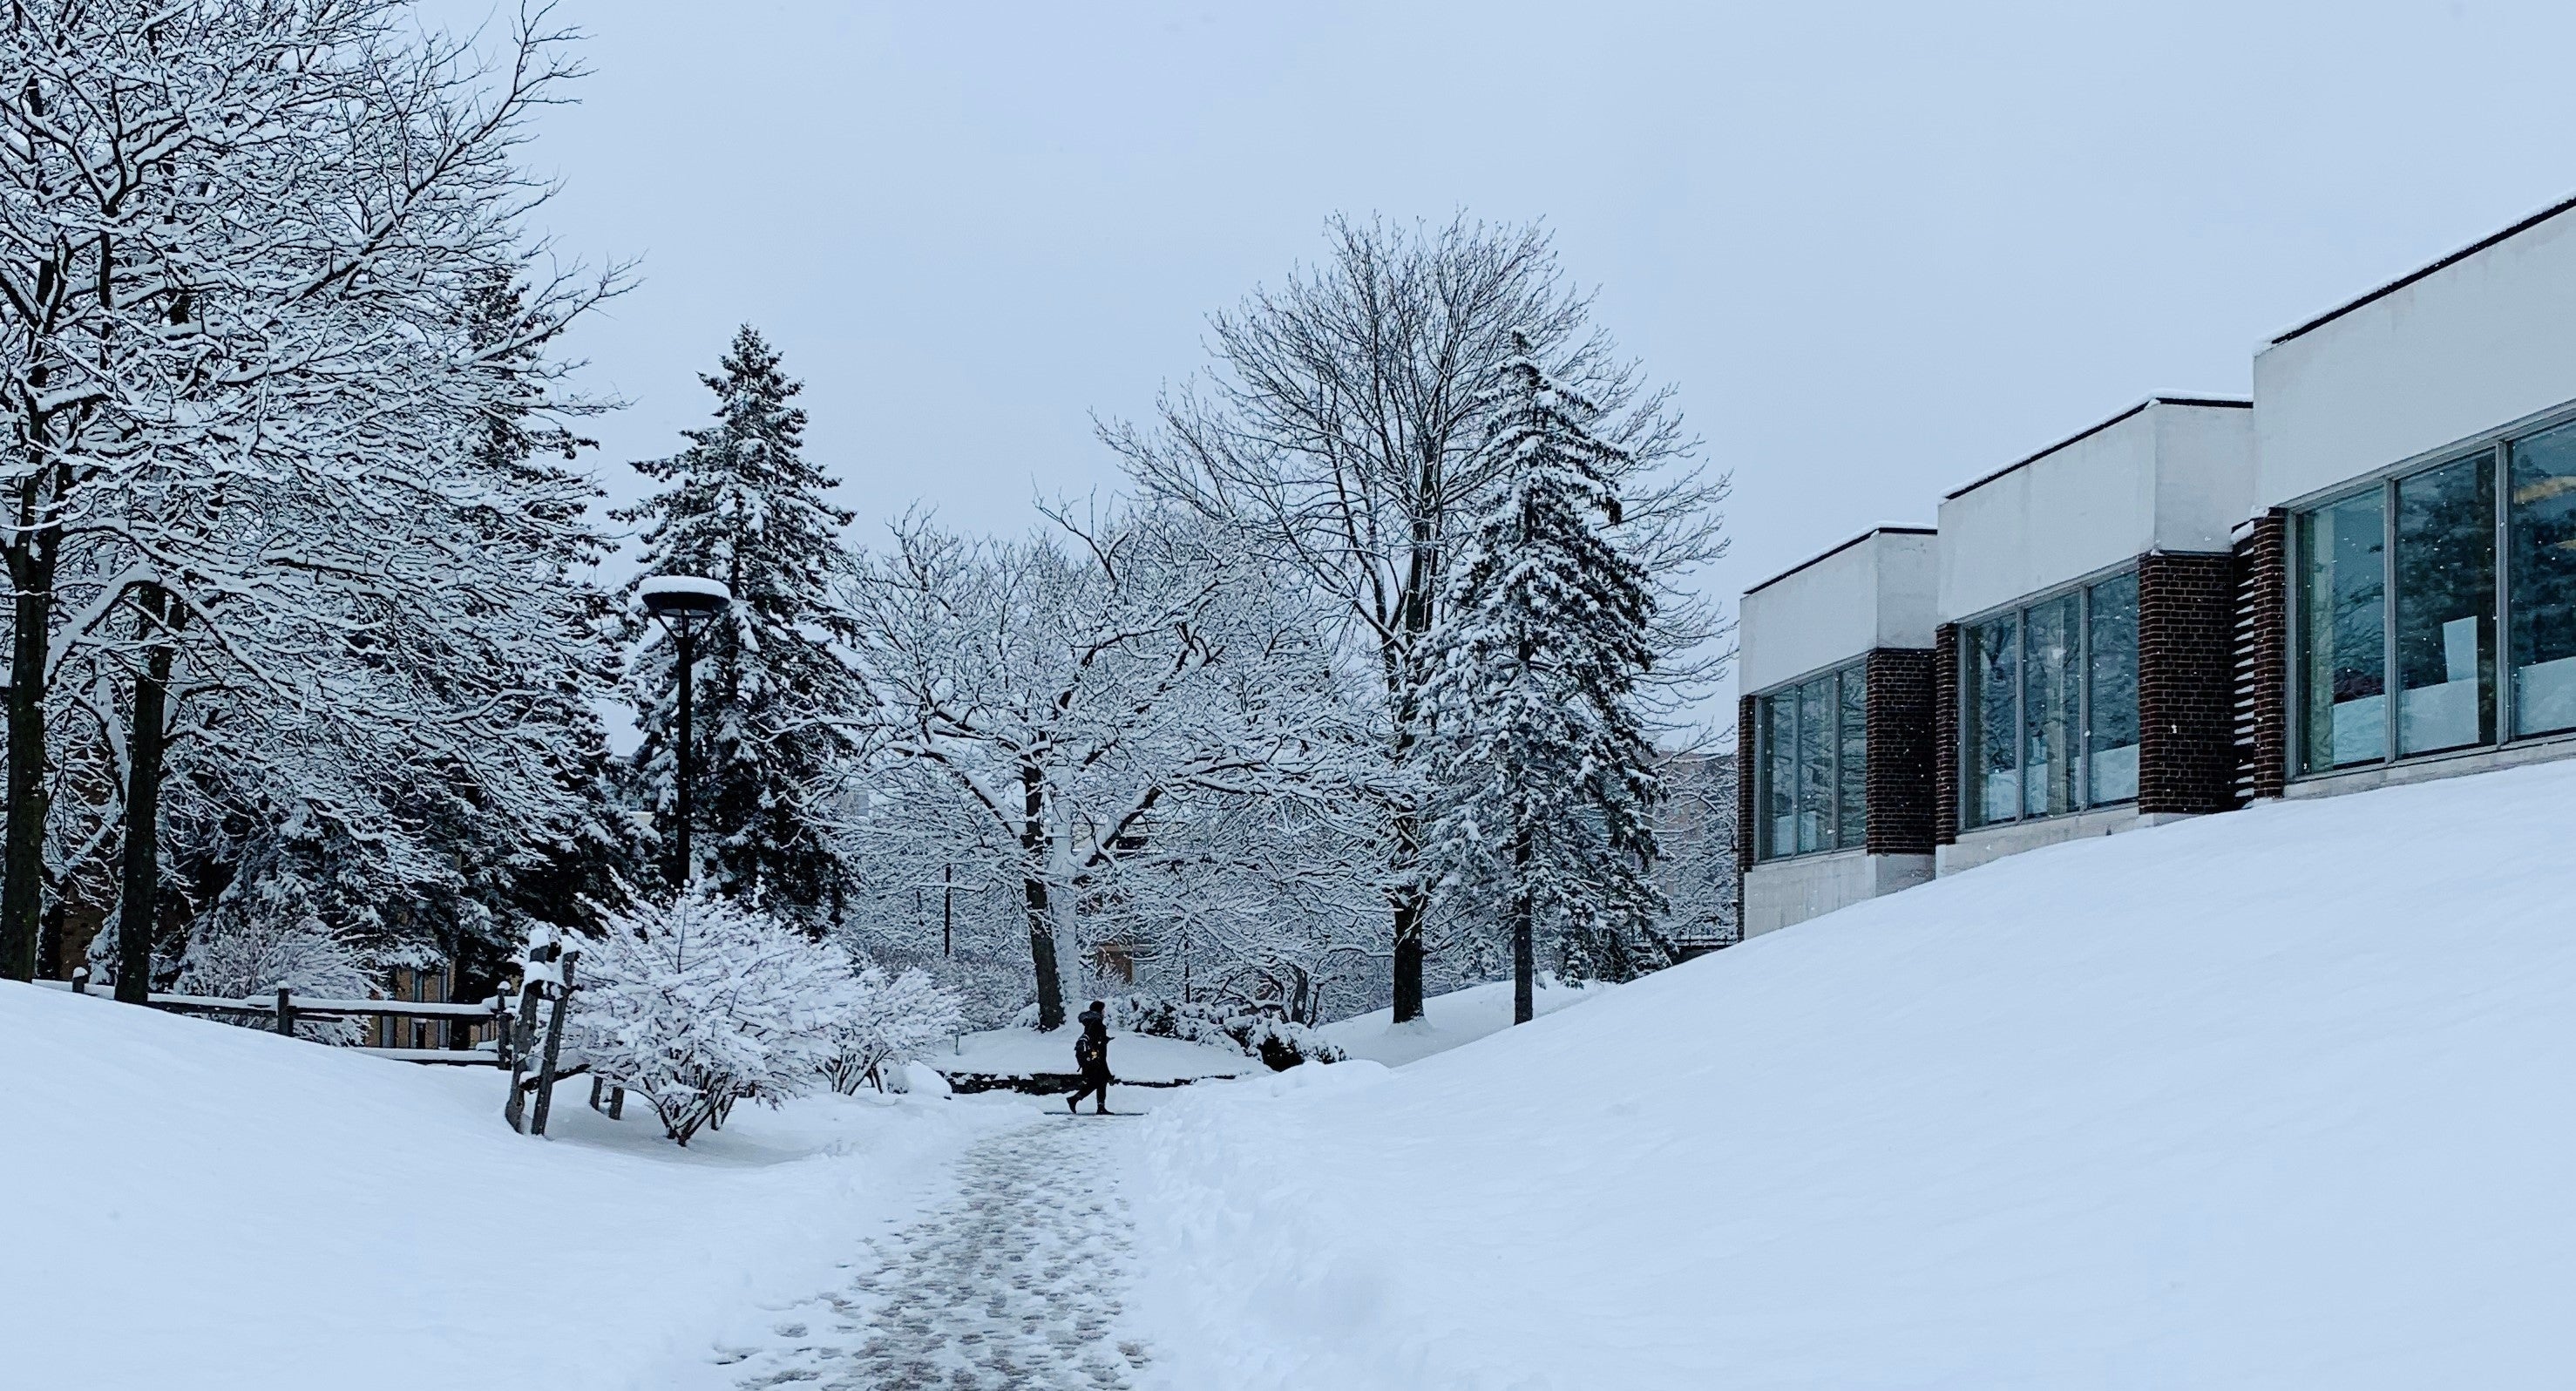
[265, 937]
[884, 1019]
[1275, 1041]
[705, 1002]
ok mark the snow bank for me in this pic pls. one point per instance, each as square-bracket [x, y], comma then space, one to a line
[1461, 1016]
[2282, 1098]
[212, 1207]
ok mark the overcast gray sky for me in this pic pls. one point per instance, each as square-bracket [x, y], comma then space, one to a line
[1880, 249]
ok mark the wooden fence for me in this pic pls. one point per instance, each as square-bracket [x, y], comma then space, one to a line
[514, 1048]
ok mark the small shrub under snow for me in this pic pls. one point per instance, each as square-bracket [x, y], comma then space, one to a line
[1277, 1042]
[883, 1020]
[266, 938]
[704, 1003]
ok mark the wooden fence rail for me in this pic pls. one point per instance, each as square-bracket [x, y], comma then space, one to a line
[515, 1048]
[286, 1008]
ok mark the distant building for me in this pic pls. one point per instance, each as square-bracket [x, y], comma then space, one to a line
[2365, 574]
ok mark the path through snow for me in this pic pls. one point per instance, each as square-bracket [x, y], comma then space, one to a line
[1015, 1283]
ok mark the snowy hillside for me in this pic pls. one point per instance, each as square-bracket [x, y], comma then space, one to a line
[2282, 1098]
[214, 1207]
[1460, 1016]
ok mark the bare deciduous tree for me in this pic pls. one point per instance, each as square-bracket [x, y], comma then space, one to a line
[1341, 430]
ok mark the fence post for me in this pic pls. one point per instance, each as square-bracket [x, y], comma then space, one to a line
[617, 1103]
[554, 1047]
[80, 980]
[285, 1013]
[523, 1041]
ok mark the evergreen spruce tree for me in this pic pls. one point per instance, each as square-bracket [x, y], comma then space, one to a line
[1546, 769]
[743, 505]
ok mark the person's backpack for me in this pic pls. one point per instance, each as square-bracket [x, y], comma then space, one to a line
[1086, 1052]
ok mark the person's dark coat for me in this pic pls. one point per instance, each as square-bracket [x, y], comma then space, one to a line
[1091, 1051]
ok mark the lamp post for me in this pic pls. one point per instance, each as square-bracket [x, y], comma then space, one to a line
[948, 886]
[681, 602]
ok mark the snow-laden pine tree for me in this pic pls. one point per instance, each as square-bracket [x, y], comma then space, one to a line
[1549, 779]
[743, 505]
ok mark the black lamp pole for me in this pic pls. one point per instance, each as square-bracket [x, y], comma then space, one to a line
[679, 601]
[687, 632]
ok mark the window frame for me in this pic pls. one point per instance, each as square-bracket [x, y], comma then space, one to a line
[1764, 852]
[2496, 448]
[2082, 658]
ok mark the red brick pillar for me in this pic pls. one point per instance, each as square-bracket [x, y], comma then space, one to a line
[1900, 751]
[1748, 775]
[1945, 734]
[2186, 682]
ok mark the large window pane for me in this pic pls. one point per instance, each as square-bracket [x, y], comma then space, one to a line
[2050, 706]
[1992, 733]
[1815, 765]
[2543, 595]
[2111, 658]
[2446, 607]
[2343, 636]
[1851, 829]
[1780, 774]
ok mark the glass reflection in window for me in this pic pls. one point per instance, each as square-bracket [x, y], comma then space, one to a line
[2543, 550]
[2111, 707]
[2446, 607]
[2343, 634]
[1991, 714]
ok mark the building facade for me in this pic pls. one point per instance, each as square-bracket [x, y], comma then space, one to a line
[1835, 800]
[2364, 574]
[2086, 632]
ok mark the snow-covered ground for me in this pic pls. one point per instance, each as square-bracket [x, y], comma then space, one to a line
[1133, 1057]
[2283, 1098]
[1461, 1016]
[212, 1207]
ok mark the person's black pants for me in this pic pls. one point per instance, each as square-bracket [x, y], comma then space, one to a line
[1094, 1080]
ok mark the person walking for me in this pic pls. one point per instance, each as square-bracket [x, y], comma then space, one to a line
[1091, 1057]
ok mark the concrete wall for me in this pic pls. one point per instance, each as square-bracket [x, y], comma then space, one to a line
[1875, 592]
[1990, 843]
[2170, 477]
[1780, 893]
[2479, 344]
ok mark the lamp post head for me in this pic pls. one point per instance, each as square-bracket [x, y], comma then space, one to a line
[678, 598]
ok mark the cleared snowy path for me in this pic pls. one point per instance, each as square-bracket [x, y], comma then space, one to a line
[1015, 1283]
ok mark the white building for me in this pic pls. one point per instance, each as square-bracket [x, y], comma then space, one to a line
[2416, 467]
[2087, 615]
[2365, 574]
[1836, 663]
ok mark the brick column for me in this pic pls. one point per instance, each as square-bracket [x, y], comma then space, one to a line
[1748, 775]
[1945, 734]
[2186, 682]
[1900, 751]
[2262, 665]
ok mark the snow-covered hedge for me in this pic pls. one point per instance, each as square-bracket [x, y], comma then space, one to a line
[704, 1003]
[886, 1020]
[267, 937]
[1277, 1042]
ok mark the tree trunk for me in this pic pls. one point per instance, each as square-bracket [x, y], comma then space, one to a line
[139, 888]
[1410, 900]
[1042, 954]
[1033, 891]
[1524, 965]
[22, 858]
